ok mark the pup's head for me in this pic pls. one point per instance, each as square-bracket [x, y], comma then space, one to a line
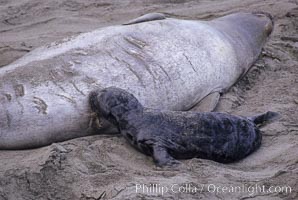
[114, 103]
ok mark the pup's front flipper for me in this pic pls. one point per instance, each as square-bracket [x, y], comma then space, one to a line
[162, 158]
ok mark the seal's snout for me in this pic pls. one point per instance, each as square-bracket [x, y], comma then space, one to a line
[269, 21]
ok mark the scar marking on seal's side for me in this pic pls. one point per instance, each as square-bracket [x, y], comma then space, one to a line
[147, 67]
[68, 72]
[71, 64]
[139, 58]
[164, 71]
[59, 86]
[8, 96]
[54, 78]
[80, 52]
[66, 98]
[76, 87]
[40, 105]
[8, 119]
[136, 42]
[128, 66]
[52, 75]
[189, 62]
[89, 80]
[19, 90]
[21, 105]
[77, 62]
[134, 72]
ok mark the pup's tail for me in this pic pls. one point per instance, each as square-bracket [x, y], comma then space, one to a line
[267, 117]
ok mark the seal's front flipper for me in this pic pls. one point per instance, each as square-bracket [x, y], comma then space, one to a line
[93, 100]
[162, 158]
[146, 18]
[208, 104]
[265, 118]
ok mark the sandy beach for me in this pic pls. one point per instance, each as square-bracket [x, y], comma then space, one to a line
[106, 166]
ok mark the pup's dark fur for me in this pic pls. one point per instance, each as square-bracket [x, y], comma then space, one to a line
[171, 135]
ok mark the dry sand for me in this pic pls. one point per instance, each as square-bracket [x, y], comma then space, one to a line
[106, 167]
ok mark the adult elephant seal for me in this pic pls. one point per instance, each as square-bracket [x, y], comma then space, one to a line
[166, 63]
[166, 135]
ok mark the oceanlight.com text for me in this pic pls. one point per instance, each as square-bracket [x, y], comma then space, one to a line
[250, 189]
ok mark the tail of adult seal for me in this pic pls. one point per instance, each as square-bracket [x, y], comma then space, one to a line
[265, 118]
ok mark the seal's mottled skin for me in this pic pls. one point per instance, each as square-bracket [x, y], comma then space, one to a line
[167, 64]
[167, 135]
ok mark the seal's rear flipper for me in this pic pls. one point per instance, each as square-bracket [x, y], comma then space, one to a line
[208, 104]
[264, 118]
[146, 18]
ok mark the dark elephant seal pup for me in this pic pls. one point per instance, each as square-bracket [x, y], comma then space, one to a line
[171, 135]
